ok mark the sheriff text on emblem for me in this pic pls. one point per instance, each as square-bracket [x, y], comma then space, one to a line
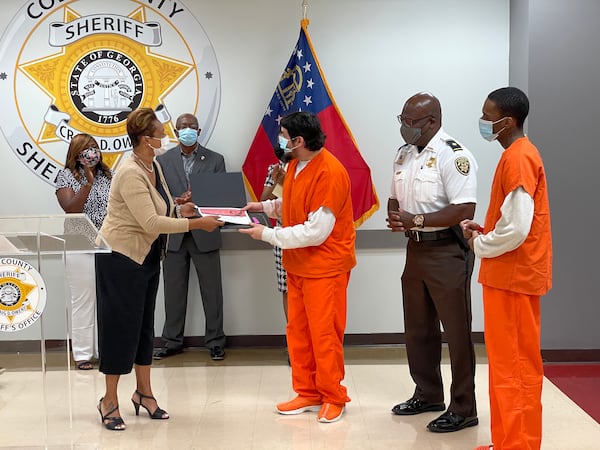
[68, 67]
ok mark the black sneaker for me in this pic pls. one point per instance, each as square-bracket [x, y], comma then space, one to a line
[217, 353]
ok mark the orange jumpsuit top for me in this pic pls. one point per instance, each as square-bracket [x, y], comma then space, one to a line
[323, 182]
[528, 268]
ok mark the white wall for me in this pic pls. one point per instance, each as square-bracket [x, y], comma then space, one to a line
[375, 54]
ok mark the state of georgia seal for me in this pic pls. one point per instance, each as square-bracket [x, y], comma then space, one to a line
[72, 66]
[22, 294]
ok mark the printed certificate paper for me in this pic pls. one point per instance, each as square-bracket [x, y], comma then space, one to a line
[230, 215]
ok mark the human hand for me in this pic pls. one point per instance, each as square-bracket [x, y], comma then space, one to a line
[253, 207]
[184, 198]
[395, 220]
[89, 174]
[206, 223]
[470, 228]
[255, 231]
[278, 174]
[188, 209]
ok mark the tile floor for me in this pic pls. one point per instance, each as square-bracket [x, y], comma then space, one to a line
[230, 405]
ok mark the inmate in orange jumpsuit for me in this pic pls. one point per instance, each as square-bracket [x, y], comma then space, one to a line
[512, 285]
[317, 279]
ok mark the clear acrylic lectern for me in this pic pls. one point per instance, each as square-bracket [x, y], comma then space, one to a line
[32, 239]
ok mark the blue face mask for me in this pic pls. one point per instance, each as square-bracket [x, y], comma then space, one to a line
[188, 136]
[486, 129]
[283, 142]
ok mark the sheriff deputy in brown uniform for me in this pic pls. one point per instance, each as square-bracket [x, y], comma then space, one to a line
[434, 187]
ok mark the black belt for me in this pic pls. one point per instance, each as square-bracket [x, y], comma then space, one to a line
[420, 236]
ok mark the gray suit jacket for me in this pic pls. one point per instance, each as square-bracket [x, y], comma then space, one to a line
[172, 166]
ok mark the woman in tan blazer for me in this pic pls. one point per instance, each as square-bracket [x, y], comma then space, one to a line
[140, 215]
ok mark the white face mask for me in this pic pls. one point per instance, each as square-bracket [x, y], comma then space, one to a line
[164, 141]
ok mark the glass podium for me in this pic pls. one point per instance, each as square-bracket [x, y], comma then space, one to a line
[42, 242]
[52, 234]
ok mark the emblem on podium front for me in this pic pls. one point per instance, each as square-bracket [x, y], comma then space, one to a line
[22, 295]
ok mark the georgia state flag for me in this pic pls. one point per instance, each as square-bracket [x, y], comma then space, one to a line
[302, 87]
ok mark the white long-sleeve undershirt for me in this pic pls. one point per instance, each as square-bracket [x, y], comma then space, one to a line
[313, 231]
[511, 230]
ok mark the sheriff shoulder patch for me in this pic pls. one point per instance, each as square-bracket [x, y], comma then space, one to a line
[462, 165]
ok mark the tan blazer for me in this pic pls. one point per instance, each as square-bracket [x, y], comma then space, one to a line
[136, 213]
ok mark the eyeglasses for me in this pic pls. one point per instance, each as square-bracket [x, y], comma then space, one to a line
[410, 122]
[291, 139]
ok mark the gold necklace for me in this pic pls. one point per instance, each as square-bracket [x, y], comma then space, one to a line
[139, 160]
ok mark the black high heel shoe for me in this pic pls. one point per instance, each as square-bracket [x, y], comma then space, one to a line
[158, 412]
[114, 423]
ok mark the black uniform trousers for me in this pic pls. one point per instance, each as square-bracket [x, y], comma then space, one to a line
[436, 287]
[176, 273]
[126, 293]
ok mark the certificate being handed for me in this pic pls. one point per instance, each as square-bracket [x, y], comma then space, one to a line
[231, 215]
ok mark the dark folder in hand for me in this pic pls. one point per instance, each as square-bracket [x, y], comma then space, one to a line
[223, 189]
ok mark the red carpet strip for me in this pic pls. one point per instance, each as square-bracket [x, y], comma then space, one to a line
[579, 382]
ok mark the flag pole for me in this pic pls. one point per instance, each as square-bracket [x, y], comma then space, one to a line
[304, 22]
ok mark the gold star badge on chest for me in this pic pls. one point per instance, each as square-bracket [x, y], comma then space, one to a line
[430, 162]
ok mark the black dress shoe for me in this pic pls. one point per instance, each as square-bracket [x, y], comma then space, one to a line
[217, 353]
[415, 406]
[166, 352]
[449, 422]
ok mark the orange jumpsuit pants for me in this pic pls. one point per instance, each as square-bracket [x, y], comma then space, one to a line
[512, 341]
[315, 336]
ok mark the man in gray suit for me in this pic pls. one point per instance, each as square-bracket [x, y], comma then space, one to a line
[202, 247]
